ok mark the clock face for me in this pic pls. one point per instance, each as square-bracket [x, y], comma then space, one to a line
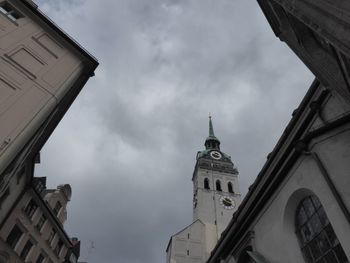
[215, 155]
[227, 202]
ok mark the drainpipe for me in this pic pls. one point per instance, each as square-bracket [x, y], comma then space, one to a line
[302, 147]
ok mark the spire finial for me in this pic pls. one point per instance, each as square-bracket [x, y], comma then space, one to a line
[211, 129]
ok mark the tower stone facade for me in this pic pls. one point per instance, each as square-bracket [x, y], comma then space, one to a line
[215, 197]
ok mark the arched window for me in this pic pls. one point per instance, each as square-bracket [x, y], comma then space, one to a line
[230, 187]
[206, 183]
[316, 236]
[218, 186]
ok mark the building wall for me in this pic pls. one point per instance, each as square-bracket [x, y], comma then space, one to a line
[188, 245]
[40, 238]
[36, 69]
[62, 196]
[275, 226]
[318, 33]
[12, 189]
[334, 151]
[210, 218]
[42, 70]
[208, 208]
[274, 231]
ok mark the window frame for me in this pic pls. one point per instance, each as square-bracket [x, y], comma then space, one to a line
[10, 12]
[30, 208]
[317, 239]
[51, 236]
[14, 240]
[42, 220]
[58, 206]
[41, 257]
[59, 247]
[26, 249]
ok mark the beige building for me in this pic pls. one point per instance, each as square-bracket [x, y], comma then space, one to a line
[42, 70]
[33, 230]
[298, 208]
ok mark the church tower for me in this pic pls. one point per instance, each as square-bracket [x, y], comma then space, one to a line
[215, 197]
[215, 185]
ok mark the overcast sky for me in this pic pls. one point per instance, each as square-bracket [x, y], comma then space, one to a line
[128, 144]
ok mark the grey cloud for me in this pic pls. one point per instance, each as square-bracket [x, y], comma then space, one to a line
[128, 144]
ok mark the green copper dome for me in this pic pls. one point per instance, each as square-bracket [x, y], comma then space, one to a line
[212, 144]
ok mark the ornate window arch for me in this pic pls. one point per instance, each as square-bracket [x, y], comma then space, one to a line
[218, 185]
[315, 233]
[206, 183]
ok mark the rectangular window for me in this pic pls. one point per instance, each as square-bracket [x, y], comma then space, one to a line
[41, 222]
[27, 247]
[40, 259]
[9, 11]
[58, 247]
[57, 208]
[14, 236]
[51, 236]
[30, 209]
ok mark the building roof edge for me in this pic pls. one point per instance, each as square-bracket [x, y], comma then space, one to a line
[34, 8]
